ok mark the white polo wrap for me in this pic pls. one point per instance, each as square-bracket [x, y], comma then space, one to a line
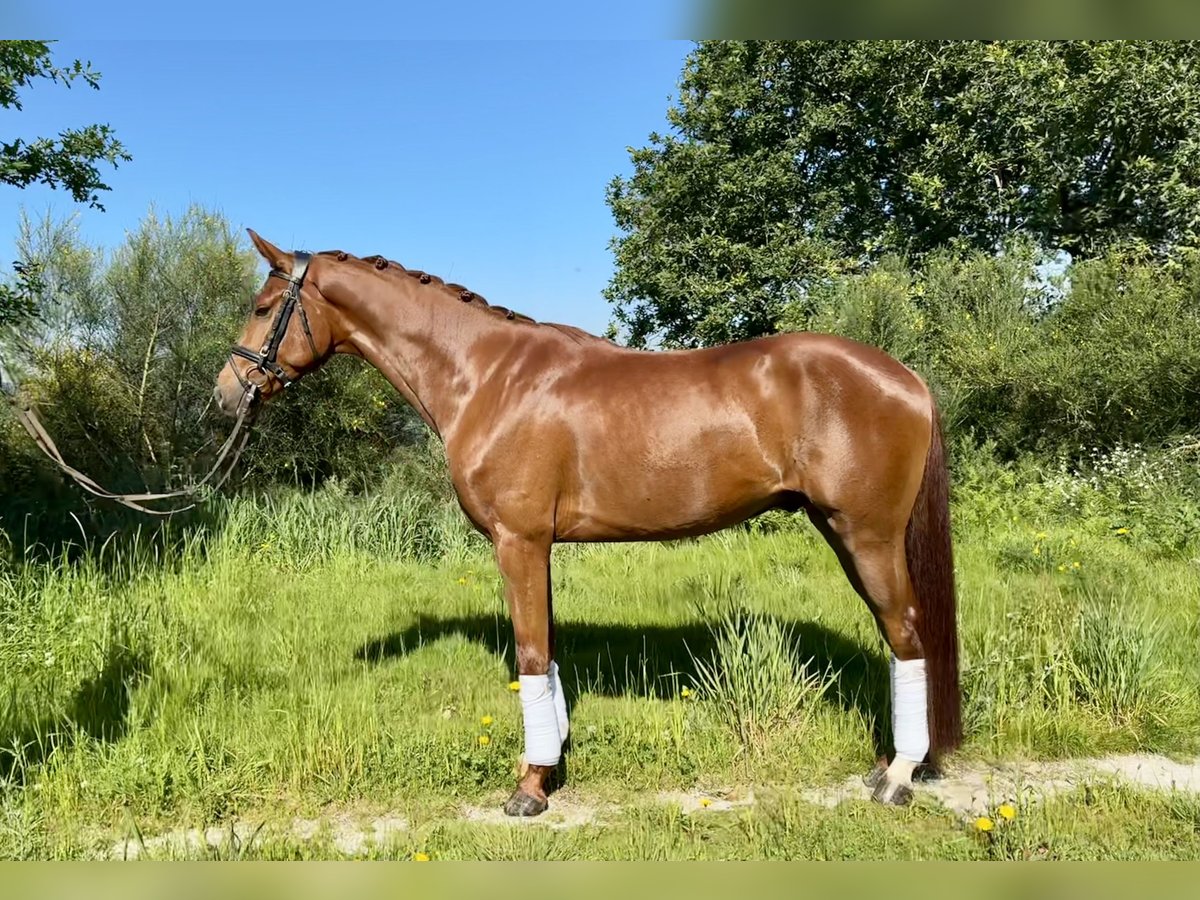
[560, 702]
[542, 743]
[910, 721]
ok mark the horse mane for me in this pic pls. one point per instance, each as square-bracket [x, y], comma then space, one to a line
[463, 295]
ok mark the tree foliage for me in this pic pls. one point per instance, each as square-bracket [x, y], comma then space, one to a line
[123, 363]
[792, 162]
[69, 161]
[1107, 354]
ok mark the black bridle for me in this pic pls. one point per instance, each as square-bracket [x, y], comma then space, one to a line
[266, 359]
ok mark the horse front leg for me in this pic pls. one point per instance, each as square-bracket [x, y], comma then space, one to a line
[525, 566]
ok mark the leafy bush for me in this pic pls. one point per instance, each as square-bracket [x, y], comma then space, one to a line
[121, 361]
[1106, 354]
[1148, 499]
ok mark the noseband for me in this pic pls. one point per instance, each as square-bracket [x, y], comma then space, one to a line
[266, 359]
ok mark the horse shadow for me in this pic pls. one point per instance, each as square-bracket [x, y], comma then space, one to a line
[99, 709]
[656, 661]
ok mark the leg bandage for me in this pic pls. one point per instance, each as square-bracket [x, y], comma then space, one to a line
[910, 722]
[560, 702]
[543, 746]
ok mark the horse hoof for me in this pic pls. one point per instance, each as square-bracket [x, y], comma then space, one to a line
[524, 805]
[891, 793]
[927, 774]
[877, 775]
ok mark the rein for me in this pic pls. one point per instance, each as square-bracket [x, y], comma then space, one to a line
[234, 444]
[265, 361]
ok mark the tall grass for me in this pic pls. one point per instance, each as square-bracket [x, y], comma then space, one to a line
[303, 530]
[756, 679]
[1115, 654]
[297, 650]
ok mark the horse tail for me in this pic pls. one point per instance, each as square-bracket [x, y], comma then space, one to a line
[930, 560]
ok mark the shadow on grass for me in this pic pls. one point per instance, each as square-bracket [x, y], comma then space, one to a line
[657, 660]
[98, 710]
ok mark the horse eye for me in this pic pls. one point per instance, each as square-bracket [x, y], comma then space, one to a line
[260, 312]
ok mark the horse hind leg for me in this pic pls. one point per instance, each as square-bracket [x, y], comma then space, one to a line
[876, 564]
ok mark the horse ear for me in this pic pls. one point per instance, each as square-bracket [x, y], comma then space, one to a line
[275, 257]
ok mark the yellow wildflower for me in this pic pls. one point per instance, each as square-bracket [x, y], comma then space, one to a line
[1075, 565]
[685, 693]
[484, 740]
[462, 581]
[1062, 567]
[486, 721]
[420, 857]
[983, 823]
[706, 802]
[1007, 811]
[1122, 531]
[514, 686]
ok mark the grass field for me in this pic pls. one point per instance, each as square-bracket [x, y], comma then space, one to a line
[330, 661]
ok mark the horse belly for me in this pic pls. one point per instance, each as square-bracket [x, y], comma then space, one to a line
[694, 484]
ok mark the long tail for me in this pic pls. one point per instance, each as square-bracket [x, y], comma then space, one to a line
[931, 571]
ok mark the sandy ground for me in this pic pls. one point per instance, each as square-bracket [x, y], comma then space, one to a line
[968, 791]
[972, 791]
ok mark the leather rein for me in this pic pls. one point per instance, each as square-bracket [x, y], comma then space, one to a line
[265, 361]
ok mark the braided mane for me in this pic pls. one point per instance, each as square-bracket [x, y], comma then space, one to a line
[461, 294]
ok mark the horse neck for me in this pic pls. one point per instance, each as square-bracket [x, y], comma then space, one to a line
[416, 336]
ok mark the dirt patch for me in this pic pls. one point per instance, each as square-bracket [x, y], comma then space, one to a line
[967, 791]
[567, 810]
[189, 842]
[710, 801]
[349, 836]
[973, 791]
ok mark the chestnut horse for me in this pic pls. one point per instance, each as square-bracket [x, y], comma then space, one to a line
[553, 434]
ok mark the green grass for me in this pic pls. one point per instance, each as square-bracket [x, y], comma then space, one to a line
[300, 660]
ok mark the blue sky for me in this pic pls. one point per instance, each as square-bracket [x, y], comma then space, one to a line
[483, 162]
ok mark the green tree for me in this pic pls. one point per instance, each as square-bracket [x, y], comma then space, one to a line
[1105, 355]
[69, 161]
[790, 162]
[123, 365]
